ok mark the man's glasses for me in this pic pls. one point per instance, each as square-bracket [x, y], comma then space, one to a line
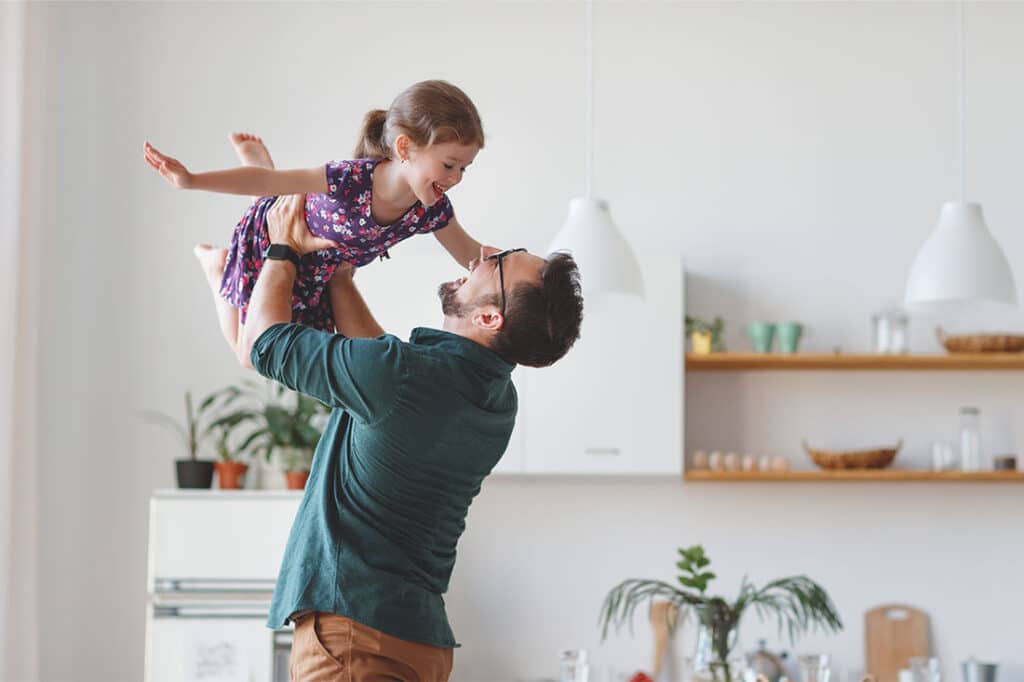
[500, 256]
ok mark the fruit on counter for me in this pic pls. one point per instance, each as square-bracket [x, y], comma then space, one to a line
[641, 676]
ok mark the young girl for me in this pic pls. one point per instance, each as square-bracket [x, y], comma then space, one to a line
[407, 158]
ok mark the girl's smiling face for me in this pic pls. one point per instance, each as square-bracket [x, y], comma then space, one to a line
[432, 171]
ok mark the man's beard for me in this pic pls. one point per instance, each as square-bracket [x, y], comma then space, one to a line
[449, 305]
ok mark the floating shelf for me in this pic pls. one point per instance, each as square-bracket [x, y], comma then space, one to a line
[846, 361]
[894, 475]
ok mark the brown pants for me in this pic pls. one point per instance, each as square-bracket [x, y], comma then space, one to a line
[332, 648]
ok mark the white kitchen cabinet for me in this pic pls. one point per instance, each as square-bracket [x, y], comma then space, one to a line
[213, 561]
[614, 404]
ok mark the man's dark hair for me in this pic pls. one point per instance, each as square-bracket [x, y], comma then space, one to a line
[542, 321]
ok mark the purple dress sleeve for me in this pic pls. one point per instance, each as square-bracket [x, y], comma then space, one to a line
[338, 174]
[439, 215]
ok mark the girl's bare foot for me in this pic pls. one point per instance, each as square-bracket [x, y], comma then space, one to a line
[251, 150]
[212, 259]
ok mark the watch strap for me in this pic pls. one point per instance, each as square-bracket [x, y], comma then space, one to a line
[283, 252]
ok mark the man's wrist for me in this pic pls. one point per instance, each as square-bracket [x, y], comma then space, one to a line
[283, 251]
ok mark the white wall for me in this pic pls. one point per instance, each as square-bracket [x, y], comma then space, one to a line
[797, 154]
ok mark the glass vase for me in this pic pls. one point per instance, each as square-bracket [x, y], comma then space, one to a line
[708, 663]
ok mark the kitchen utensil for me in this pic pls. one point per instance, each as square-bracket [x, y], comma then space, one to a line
[765, 664]
[974, 670]
[894, 633]
[663, 620]
[981, 343]
[877, 458]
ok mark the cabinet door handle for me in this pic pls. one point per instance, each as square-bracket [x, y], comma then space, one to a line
[600, 451]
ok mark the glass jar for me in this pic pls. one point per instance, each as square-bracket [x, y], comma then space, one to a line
[970, 439]
[890, 331]
[575, 666]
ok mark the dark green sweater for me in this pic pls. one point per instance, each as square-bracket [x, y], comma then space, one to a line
[416, 428]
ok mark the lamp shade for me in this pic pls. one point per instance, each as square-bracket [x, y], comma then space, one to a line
[960, 262]
[606, 262]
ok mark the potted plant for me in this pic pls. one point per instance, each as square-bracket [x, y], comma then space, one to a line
[798, 603]
[230, 469]
[705, 336]
[192, 472]
[296, 466]
[284, 423]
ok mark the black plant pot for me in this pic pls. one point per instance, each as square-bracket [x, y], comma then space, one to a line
[194, 473]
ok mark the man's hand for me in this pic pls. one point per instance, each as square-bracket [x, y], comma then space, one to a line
[286, 224]
[173, 170]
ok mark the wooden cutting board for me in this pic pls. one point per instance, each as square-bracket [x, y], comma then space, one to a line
[893, 633]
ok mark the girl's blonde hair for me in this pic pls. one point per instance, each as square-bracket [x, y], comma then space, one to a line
[429, 112]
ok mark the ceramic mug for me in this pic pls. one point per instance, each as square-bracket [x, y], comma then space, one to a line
[789, 336]
[761, 335]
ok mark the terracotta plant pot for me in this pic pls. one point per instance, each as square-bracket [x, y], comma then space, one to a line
[230, 474]
[296, 479]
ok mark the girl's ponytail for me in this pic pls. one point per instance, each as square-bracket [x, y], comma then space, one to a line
[371, 143]
[428, 113]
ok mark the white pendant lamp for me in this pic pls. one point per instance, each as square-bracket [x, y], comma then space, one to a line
[961, 262]
[607, 264]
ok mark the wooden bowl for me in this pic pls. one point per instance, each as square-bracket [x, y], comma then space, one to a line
[878, 458]
[981, 343]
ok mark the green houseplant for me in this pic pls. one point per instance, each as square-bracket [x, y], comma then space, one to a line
[705, 336]
[280, 421]
[197, 426]
[798, 603]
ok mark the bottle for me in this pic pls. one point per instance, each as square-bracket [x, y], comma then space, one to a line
[575, 666]
[970, 439]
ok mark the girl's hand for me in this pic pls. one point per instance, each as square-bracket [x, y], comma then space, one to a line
[172, 169]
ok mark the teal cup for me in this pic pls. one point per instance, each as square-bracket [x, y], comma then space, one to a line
[789, 336]
[761, 335]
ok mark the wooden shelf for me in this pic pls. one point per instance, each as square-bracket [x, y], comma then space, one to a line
[893, 475]
[846, 361]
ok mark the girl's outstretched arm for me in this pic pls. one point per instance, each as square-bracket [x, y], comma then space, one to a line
[459, 244]
[247, 180]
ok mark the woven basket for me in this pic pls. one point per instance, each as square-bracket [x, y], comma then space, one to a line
[981, 343]
[878, 458]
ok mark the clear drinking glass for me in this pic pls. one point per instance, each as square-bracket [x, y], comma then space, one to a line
[575, 666]
[925, 669]
[815, 668]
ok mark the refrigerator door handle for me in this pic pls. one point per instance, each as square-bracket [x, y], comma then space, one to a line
[202, 585]
[207, 611]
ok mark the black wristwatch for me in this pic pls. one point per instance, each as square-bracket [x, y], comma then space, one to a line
[283, 252]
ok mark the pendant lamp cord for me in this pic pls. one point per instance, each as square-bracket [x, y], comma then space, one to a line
[588, 58]
[962, 85]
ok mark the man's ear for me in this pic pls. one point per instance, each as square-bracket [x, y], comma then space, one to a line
[488, 317]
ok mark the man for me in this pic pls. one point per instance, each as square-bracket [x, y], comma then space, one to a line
[416, 428]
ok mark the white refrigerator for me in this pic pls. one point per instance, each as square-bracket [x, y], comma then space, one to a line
[213, 561]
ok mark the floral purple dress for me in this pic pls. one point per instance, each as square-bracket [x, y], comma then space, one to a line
[342, 215]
